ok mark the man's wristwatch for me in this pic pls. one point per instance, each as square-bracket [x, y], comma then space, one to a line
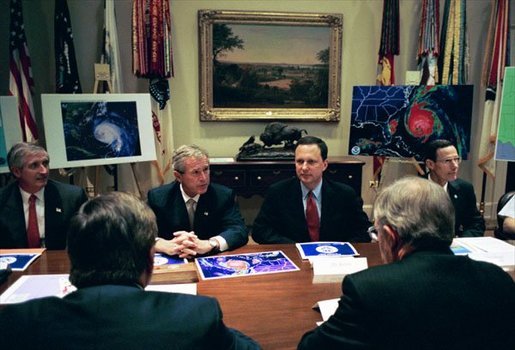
[213, 242]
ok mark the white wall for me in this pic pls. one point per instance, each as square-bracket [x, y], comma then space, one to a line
[361, 34]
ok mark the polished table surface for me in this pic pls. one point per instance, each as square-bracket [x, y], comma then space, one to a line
[274, 309]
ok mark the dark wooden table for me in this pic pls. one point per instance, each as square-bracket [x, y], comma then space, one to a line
[274, 309]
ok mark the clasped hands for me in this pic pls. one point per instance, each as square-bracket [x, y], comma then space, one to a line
[184, 244]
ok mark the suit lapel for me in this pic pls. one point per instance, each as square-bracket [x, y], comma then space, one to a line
[14, 216]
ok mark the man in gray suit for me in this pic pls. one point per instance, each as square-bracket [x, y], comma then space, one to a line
[111, 249]
[425, 297]
[55, 202]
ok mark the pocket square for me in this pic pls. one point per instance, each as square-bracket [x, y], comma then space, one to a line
[59, 210]
[206, 213]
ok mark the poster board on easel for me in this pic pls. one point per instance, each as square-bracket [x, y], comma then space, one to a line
[98, 129]
[505, 143]
[10, 129]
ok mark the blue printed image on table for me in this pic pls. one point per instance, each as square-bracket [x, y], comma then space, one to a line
[313, 249]
[163, 259]
[225, 266]
[18, 262]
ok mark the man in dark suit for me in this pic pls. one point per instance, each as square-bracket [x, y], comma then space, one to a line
[111, 250]
[55, 202]
[425, 297]
[283, 218]
[443, 162]
[193, 215]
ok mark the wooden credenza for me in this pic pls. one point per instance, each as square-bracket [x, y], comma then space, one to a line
[249, 178]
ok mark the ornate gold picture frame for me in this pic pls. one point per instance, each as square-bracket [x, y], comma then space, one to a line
[269, 66]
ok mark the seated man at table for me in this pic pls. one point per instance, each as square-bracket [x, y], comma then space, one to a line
[443, 162]
[195, 216]
[111, 250]
[425, 297]
[35, 211]
[310, 207]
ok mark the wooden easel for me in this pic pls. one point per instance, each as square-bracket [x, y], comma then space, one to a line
[103, 74]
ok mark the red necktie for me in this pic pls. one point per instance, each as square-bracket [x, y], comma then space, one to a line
[312, 218]
[32, 227]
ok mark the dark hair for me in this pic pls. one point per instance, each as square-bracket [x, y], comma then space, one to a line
[313, 140]
[110, 239]
[433, 146]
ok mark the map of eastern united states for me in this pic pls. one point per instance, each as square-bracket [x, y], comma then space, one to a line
[505, 149]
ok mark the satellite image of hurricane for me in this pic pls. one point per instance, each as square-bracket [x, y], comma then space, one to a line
[397, 121]
[245, 264]
[95, 130]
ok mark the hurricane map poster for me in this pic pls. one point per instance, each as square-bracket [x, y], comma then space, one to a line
[96, 129]
[225, 266]
[398, 121]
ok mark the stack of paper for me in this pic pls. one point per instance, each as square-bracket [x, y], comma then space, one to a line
[488, 249]
[334, 269]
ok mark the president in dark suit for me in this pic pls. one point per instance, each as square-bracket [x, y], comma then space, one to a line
[193, 215]
[284, 217]
[443, 162]
[424, 297]
[54, 202]
[111, 250]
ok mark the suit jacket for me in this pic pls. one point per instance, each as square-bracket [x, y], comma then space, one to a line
[217, 213]
[282, 218]
[119, 317]
[469, 222]
[62, 201]
[428, 300]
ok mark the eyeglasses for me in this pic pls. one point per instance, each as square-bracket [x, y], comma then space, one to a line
[449, 161]
[372, 233]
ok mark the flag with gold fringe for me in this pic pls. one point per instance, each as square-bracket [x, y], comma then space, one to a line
[428, 42]
[388, 48]
[152, 59]
[496, 59]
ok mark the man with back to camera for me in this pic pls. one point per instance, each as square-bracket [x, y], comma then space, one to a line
[425, 297]
[195, 216]
[35, 210]
[443, 162]
[284, 215]
[111, 250]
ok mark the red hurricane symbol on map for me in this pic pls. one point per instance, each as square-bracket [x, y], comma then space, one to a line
[420, 122]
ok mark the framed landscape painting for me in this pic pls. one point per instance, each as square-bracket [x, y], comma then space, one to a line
[269, 66]
[98, 129]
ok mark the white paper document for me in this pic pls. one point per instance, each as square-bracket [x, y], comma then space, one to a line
[487, 249]
[184, 288]
[334, 269]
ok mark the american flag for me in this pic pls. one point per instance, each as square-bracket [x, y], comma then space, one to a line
[20, 73]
